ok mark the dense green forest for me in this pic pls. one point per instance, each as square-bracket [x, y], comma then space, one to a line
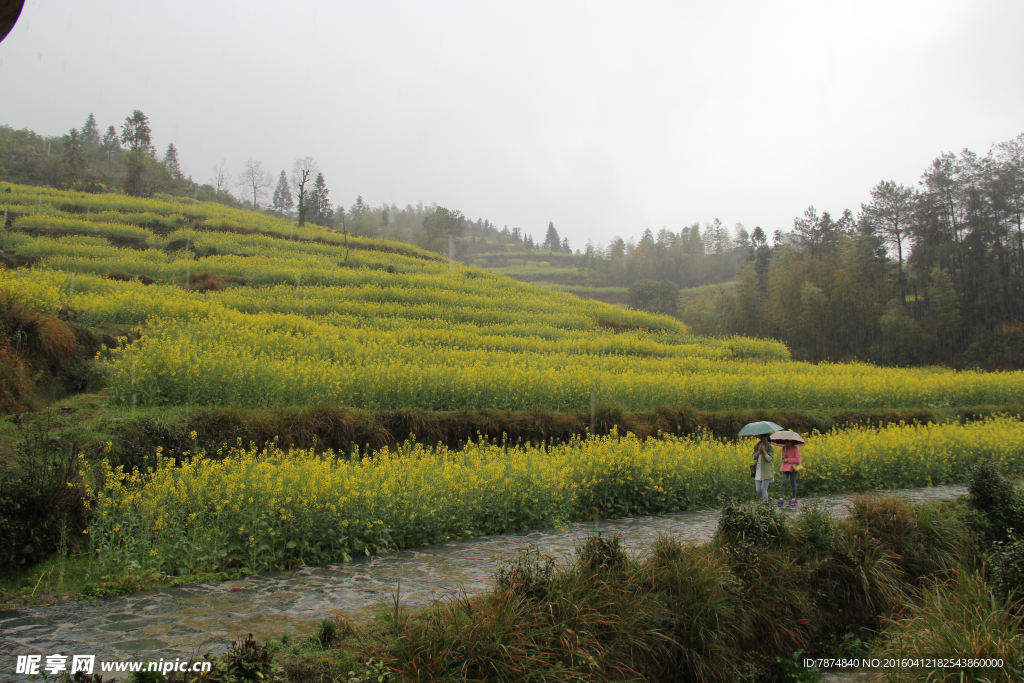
[927, 274]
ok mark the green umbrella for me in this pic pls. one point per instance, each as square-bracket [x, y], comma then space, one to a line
[758, 428]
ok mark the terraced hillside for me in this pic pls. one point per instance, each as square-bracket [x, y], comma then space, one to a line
[242, 309]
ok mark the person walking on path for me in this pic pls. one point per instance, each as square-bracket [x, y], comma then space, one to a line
[790, 469]
[764, 475]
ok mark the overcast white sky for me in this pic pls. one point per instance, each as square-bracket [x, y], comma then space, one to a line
[605, 118]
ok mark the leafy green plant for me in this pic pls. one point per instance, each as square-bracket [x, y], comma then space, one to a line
[327, 633]
[815, 530]
[528, 575]
[602, 554]
[373, 671]
[146, 677]
[849, 646]
[757, 524]
[792, 670]
[245, 662]
[1007, 565]
[993, 494]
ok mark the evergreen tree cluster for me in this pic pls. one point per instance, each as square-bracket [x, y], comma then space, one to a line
[86, 160]
[926, 274]
[430, 226]
[691, 257]
[553, 244]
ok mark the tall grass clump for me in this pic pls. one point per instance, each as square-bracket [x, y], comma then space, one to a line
[672, 615]
[862, 568]
[738, 608]
[33, 343]
[764, 593]
[956, 618]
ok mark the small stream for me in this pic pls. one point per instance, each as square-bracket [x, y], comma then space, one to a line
[188, 621]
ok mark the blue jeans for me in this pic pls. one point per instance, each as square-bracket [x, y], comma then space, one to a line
[789, 477]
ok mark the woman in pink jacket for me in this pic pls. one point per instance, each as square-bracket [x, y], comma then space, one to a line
[790, 456]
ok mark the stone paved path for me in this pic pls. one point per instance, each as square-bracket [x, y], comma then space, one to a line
[183, 622]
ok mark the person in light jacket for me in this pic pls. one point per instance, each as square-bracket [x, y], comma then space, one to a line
[764, 475]
[790, 456]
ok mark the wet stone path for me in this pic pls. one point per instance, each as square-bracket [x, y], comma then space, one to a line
[187, 621]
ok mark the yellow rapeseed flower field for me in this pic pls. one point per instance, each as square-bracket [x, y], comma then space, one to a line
[308, 315]
[447, 342]
[258, 510]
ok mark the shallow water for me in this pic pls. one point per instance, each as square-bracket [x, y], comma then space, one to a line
[190, 620]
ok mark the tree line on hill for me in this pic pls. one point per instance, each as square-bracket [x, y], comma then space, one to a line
[87, 160]
[921, 275]
[126, 160]
[691, 257]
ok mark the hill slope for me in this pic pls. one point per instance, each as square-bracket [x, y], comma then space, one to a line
[238, 308]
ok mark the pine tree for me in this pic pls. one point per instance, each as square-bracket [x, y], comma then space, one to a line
[90, 132]
[111, 143]
[944, 310]
[552, 242]
[322, 206]
[890, 214]
[135, 132]
[717, 237]
[74, 164]
[360, 207]
[283, 200]
[312, 203]
[171, 162]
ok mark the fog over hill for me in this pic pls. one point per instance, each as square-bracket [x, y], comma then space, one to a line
[600, 119]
